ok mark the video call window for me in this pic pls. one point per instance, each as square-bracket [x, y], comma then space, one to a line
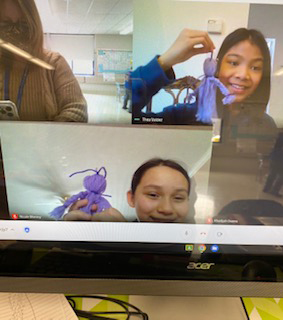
[228, 143]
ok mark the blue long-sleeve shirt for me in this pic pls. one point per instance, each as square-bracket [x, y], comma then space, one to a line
[146, 81]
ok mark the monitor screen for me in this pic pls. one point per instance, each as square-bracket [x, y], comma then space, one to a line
[154, 157]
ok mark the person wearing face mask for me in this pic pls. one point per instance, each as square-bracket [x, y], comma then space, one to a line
[39, 94]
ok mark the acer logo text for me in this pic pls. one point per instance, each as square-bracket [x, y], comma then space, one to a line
[199, 266]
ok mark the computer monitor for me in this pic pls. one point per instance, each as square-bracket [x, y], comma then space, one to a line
[191, 209]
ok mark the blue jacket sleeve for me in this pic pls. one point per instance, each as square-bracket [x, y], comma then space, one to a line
[146, 81]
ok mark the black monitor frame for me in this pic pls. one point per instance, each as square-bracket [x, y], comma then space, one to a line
[139, 269]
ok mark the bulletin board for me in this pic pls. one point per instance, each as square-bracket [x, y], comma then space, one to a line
[114, 61]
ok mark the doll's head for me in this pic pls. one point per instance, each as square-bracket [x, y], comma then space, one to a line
[160, 191]
[244, 66]
[210, 67]
[96, 182]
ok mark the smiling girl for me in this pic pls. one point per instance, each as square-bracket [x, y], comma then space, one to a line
[243, 67]
[247, 131]
[159, 193]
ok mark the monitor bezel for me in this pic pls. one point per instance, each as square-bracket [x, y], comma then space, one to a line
[139, 274]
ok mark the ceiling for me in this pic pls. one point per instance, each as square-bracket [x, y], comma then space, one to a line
[85, 16]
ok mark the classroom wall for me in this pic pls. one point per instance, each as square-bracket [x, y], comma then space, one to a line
[115, 42]
[80, 46]
[157, 23]
[83, 47]
[269, 19]
[72, 46]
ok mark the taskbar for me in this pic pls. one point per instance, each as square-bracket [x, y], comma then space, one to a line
[140, 232]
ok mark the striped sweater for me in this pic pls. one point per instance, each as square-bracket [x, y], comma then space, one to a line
[47, 95]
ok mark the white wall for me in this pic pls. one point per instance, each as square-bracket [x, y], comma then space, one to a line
[72, 47]
[38, 165]
[157, 23]
[115, 42]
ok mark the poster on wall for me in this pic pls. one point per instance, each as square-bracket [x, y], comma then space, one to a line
[114, 61]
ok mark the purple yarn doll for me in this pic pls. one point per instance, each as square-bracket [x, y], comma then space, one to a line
[95, 186]
[206, 93]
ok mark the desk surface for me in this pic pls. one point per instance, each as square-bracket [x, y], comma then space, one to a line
[185, 308]
[182, 308]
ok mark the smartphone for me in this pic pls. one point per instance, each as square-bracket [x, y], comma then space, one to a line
[8, 110]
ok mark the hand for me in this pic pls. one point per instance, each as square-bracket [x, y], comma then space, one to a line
[75, 213]
[188, 44]
[108, 215]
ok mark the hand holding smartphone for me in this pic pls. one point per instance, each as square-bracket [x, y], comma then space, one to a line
[8, 111]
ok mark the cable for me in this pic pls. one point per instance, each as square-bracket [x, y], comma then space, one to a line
[88, 315]
[244, 307]
[92, 315]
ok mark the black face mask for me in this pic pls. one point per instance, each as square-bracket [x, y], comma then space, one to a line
[16, 33]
